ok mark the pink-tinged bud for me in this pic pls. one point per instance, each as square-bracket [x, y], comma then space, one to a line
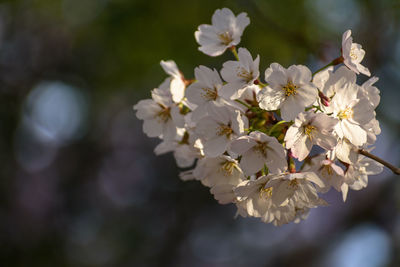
[325, 102]
[324, 99]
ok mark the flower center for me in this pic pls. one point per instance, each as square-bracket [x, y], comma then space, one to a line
[209, 94]
[290, 88]
[353, 54]
[309, 130]
[164, 114]
[261, 148]
[244, 74]
[293, 183]
[225, 38]
[265, 192]
[327, 171]
[228, 167]
[347, 113]
[224, 130]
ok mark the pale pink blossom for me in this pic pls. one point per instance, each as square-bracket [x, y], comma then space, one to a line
[225, 31]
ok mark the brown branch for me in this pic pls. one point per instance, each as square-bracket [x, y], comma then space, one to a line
[394, 169]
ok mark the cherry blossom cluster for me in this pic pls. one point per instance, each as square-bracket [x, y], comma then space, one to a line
[270, 146]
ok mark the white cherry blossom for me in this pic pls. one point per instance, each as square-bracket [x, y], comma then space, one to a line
[353, 111]
[255, 200]
[219, 170]
[225, 31]
[353, 54]
[205, 92]
[222, 174]
[258, 149]
[160, 114]
[337, 82]
[185, 152]
[330, 173]
[357, 173]
[280, 198]
[289, 90]
[239, 74]
[297, 186]
[240, 136]
[310, 129]
[217, 130]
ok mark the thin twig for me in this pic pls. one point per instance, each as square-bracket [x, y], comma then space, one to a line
[244, 104]
[334, 62]
[234, 52]
[394, 169]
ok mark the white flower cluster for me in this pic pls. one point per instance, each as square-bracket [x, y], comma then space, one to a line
[251, 141]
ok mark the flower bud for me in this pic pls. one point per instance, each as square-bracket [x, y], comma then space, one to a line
[324, 99]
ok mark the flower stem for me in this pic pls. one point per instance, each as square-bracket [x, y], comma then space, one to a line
[244, 104]
[275, 126]
[234, 52]
[334, 62]
[394, 169]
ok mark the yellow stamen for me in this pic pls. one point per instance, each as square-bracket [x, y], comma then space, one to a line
[224, 130]
[209, 94]
[353, 55]
[347, 113]
[308, 130]
[225, 38]
[290, 88]
[243, 73]
[265, 192]
[228, 167]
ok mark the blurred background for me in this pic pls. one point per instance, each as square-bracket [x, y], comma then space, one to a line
[79, 182]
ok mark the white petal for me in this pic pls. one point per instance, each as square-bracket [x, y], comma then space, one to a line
[146, 109]
[169, 130]
[281, 193]
[242, 144]
[164, 147]
[170, 68]
[177, 89]
[215, 146]
[302, 147]
[290, 109]
[177, 117]
[152, 128]
[326, 141]
[231, 90]
[354, 133]
[270, 99]
[345, 189]
[292, 135]
[251, 162]
[300, 74]
[223, 193]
